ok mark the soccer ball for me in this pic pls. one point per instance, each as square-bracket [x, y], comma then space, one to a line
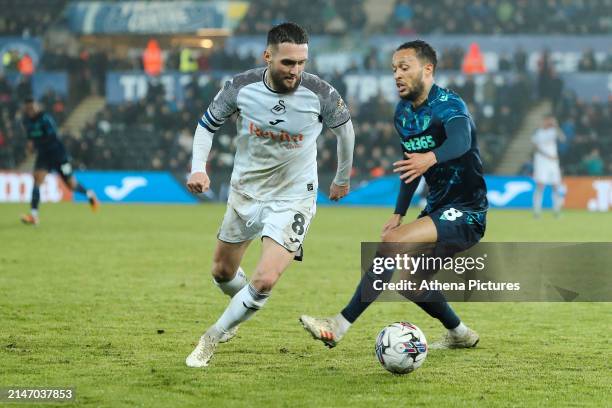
[401, 348]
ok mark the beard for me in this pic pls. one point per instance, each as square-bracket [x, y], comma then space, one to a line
[277, 80]
[416, 91]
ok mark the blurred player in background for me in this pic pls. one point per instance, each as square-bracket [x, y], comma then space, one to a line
[438, 138]
[51, 155]
[281, 111]
[546, 168]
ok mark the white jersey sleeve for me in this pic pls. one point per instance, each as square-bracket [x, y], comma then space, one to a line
[346, 144]
[221, 108]
[334, 111]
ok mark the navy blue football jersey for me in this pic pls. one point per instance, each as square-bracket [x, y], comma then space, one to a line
[458, 182]
[42, 130]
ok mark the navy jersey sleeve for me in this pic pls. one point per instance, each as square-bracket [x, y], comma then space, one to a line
[452, 108]
[405, 196]
[455, 118]
[458, 139]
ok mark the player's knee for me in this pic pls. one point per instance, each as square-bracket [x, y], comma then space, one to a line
[222, 271]
[264, 283]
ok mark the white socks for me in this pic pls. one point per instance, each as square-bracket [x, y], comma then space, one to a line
[233, 286]
[458, 331]
[537, 201]
[242, 306]
[343, 324]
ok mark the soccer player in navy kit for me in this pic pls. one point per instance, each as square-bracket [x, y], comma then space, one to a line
[42, 135]
[438, 139]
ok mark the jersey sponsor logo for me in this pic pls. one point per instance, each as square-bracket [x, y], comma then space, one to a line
[419, 143]
[128, 184]
[276, 121]
[280, 137]
[279, 108]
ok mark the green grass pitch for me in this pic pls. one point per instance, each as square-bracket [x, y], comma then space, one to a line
[112, 303]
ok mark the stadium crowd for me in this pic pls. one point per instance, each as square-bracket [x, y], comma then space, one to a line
[128, 135]
[337, 17]
[588, 148]
[28, 18]
[501, 16]
[497, 114]
[124, 136]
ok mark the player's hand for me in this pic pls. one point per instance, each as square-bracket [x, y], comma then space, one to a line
[336, 192]
[198, 182]
[415, 165]
[394, 222]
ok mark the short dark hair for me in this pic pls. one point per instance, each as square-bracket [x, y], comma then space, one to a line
[28, 99]
[423, 51]
[287, 33]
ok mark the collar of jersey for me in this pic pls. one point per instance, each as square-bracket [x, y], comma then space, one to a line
[434, 93]
[263, 79]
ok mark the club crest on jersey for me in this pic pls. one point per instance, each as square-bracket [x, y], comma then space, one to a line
[279, 108]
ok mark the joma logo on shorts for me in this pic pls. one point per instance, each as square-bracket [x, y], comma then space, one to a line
[281, 136]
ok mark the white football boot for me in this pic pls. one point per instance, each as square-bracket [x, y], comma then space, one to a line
[203, 352]
[325, 329]
[451, 341]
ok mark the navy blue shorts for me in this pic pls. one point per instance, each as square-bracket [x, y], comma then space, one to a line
[458, 229]
[54, 159]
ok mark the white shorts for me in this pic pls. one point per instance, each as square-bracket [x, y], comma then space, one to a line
[285, 221]
[546, 171]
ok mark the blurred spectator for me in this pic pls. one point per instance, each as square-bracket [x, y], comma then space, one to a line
[593, 164]
[520, 60]
[587, 61]
[152, 58]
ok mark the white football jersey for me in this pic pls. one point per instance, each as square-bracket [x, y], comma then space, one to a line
[276, 145]
[546, 141]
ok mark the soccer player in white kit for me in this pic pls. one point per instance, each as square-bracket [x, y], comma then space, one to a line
[281, 111]
[546, 169]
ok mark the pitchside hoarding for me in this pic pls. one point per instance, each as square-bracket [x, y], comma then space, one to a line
[17, 188]
[586, 193]
[512, 192]
[110, 186]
